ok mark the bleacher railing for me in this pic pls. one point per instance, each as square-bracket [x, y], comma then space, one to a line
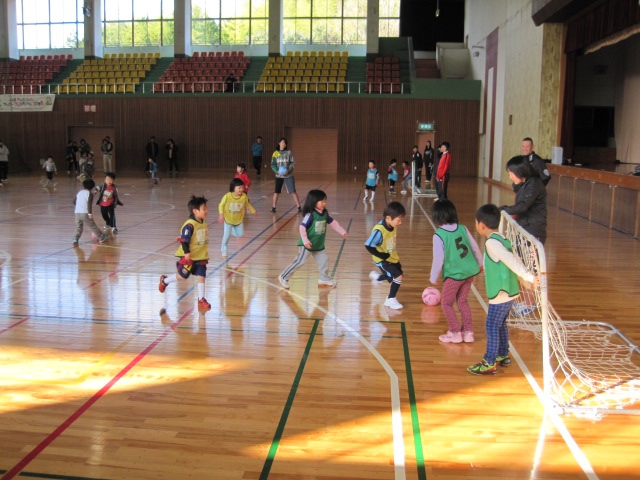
[208, 87]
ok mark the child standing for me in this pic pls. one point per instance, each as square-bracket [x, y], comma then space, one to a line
[50, 167]
[193, 250]
[373, 179]
[392, 176]
[501, 272]
[108, 199]
[457, 255]
[406, 177]
[232, 209]
[241, 173]
[313, 231]
[382, 246]
[153, 168]
[84, 204]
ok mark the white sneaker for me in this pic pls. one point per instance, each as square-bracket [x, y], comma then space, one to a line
[403, 192]
[327, 283]
[374, 276]
[223, 254]
[467, 337]
[393, 303]
[371, 200]
[283, 282]
[451, 337]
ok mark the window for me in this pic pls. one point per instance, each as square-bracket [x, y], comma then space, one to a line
[55, 26]
[324, 21]
[389, 24]
[223, 22]
[137, 23]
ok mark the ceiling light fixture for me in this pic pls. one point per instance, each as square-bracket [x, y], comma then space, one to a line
[438, 8]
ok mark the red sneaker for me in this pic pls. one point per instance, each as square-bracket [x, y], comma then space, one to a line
[162, 286]
[203, 305]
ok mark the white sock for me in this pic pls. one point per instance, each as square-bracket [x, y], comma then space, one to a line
[373, 194]
[200, 290]
[170, 279]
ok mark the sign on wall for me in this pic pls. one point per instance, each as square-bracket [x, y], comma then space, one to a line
[26, 103]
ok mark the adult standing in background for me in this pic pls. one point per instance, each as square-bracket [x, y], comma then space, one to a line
[4, 163]
[172, 155]
[416, 159]
[428, 158]
[152, 151]
[442, 175]
[282, 163]
[538, 164]
[256, 151]
[107, 155]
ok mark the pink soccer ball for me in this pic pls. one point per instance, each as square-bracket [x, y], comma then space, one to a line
[431, 296]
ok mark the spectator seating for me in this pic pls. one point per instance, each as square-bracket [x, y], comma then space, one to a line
[30, 73]
[305, 72]
[115, 73]
[383, 75]
[203, 72]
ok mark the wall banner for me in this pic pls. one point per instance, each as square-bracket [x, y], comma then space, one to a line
[26, 103]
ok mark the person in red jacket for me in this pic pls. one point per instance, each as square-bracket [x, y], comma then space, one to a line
[442, 175]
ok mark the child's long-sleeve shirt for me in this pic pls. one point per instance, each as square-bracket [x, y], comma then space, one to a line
[497, 252]
[49, 166]
[233, 208]
[245, 179]
[318, 221]
[438, 251]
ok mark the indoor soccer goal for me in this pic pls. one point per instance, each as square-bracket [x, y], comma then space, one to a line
[416, 191]
[590, 368]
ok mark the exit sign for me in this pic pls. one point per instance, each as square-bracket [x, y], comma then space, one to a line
[426, 126]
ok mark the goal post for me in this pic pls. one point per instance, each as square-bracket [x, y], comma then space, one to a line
[589, 368]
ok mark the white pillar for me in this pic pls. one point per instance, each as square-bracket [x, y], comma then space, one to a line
[373, 28]
[275, 27]
[92, 28]
[182, 46]
[8, 30]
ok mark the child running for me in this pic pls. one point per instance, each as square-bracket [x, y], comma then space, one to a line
[372, 180]
[382, 246]
[153, 168]
[313, 231]
[84, 204]
[108, 199]
[193, 250]
[392, 176]
[406, 177]
[232, 208]
[501, 272]
[457, 256]
[50, 167]
[241, 173]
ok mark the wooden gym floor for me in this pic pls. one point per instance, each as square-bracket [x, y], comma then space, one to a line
[314, 383]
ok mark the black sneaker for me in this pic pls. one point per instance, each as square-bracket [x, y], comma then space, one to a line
[299, 209]
[273, 209]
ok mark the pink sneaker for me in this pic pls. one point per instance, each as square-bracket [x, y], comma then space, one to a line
[467, 337]
[451, 337]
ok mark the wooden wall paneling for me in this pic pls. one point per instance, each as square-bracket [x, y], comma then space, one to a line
[553, 191]
[625, 210]
[566, 190]
[217, 131]
[582, 199]
[601, 209]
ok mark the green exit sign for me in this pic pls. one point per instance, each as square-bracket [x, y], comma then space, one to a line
[426, 126]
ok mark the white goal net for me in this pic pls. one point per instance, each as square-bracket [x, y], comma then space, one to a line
[589, 367]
